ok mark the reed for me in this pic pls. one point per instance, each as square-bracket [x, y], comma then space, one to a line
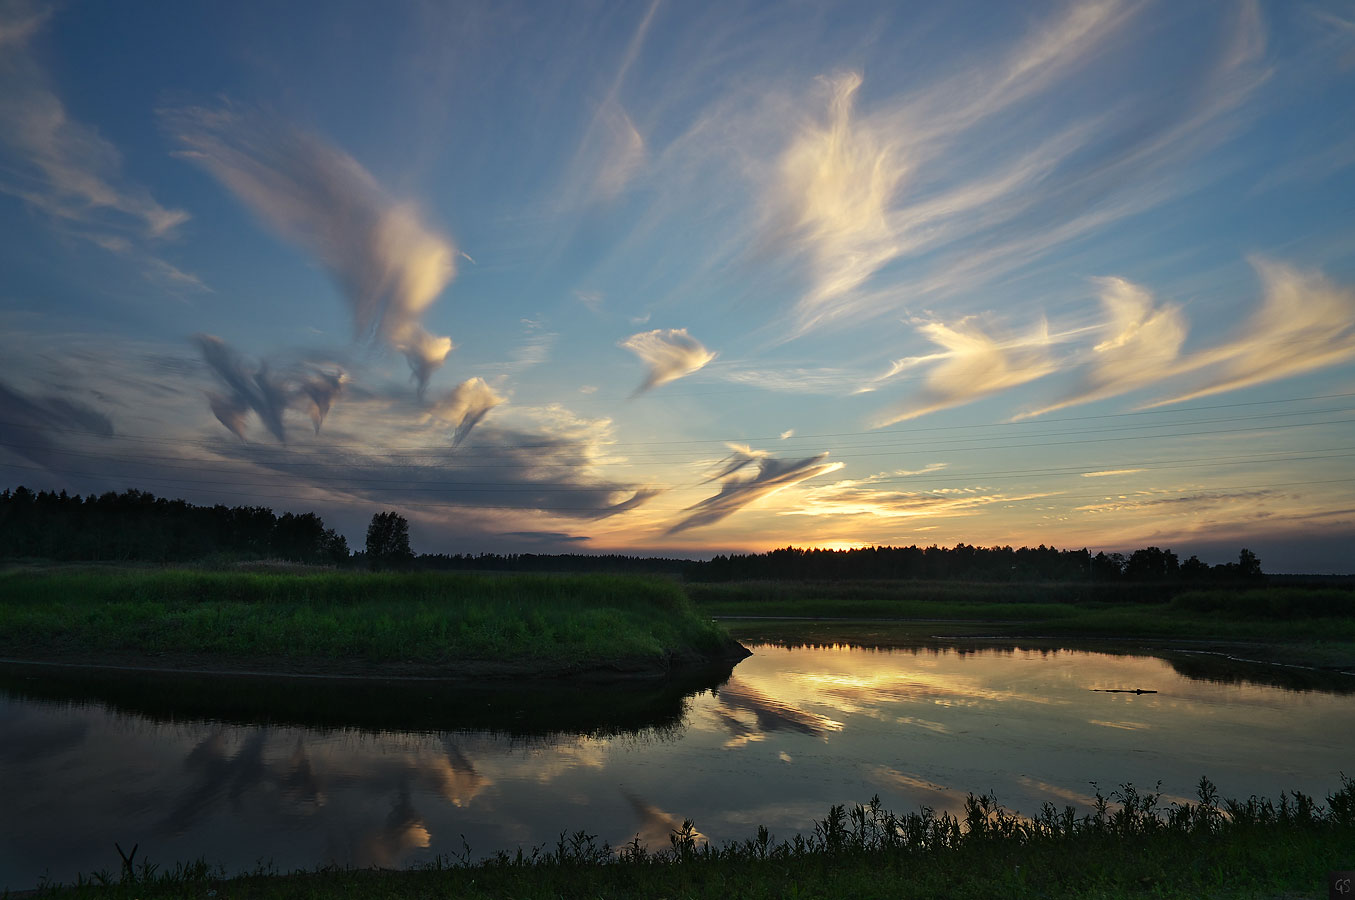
[1129, 845]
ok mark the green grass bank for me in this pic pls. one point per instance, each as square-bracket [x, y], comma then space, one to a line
[1264, 614]
[357, 623]
[1129, 846]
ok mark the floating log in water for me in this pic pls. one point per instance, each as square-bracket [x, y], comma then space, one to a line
[1123, 691]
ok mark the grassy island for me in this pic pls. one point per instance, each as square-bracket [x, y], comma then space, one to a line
[433, 625]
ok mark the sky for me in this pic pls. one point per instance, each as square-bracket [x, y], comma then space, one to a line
[692, 278]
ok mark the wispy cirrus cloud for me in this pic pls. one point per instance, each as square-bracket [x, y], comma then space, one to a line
[33, 423]
[63, 167]
[857, 497]
[738, 491]
[1190, 501]
[670, 354]
[987, 170]
[389, 263]
[1143, 346]
[853, 192]
[832, 381]
[1304, 323]
[971, 365]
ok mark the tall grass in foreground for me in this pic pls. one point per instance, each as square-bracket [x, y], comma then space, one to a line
[1129, 846]
[423, 618]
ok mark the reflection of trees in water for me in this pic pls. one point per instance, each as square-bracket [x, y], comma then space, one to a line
[1223, 670]
[1210, 667]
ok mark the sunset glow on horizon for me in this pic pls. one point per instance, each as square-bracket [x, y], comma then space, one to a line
[680, 279]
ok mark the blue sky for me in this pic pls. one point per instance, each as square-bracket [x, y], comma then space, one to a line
[692, 278]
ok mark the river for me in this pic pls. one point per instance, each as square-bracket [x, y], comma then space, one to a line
[248, 775]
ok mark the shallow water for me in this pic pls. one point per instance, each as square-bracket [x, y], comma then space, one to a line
[287, 782]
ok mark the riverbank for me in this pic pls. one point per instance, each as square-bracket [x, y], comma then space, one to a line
[1128, 846]
[368, 625]
[1285, 626]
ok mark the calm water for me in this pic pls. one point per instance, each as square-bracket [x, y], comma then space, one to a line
[324, 775]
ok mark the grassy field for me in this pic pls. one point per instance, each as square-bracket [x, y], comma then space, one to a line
[1057, 609]
[1130, 846]
[430, 622]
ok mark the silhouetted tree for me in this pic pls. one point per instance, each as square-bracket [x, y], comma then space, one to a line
[1194, 570]
[388, 541]
[1152, 564]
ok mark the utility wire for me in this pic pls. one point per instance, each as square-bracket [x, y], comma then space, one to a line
[214, 467]
[949, 445]
[910, 430]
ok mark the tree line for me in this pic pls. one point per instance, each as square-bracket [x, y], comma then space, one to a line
[968, 563]
[138, 526]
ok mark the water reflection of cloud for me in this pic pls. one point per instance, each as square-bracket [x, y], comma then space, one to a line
[1082, 799]
[741, 732]
[216, 773]
[31, 738]
[453, 775]
[922, 791]
[300, 782]
[656, 826]
[939, 689]
[926, 724]
[562, 758]
[769, 714]
[403, 831]
[1127, 726]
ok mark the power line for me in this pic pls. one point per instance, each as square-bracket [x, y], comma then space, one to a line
[1101, 495]
[943, 445]
[208, 466]
[749, 440]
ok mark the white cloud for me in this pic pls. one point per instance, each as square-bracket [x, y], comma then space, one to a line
[972, 365]
[857, 498]
[670, 354]
[64, 167]
[1304, 323]
[1142, 348]
[391, 265]
[464, 406]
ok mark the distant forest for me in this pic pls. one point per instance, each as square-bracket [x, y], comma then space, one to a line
[138, 526]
